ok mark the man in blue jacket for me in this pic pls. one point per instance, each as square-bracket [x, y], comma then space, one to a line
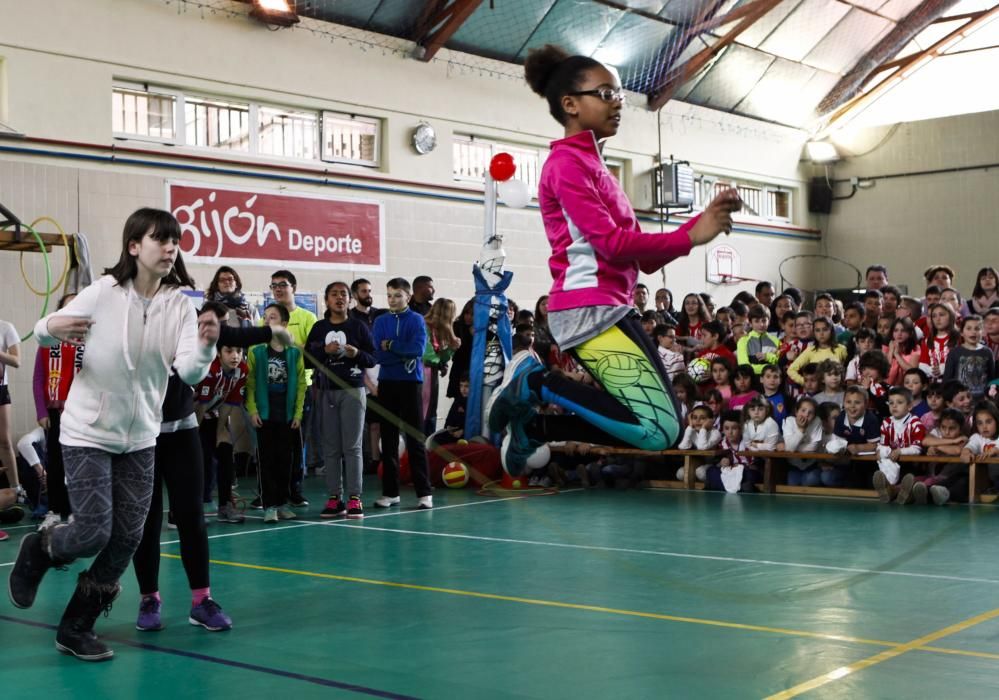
[400, 338]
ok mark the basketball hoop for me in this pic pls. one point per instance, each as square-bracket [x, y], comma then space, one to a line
[724, 265]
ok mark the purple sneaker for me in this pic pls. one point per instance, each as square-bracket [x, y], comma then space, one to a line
[209, 615]
[149, 615]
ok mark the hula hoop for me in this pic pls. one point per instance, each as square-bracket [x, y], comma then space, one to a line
[48, 274]
[65, 267]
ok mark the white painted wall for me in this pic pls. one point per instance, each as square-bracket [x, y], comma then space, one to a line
[58, 59]
[909, 223]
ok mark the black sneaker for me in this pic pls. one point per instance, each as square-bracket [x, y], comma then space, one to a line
[355, 509]
[13, 514]
[257, 504]
[297, 500]
[335, 507]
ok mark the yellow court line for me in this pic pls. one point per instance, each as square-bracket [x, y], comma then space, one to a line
[959, 652]
[915, 644]
[614, 611]
[555, 604]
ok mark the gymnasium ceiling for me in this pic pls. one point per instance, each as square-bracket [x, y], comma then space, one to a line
[796, 62]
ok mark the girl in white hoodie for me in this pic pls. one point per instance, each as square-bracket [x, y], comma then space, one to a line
[137, 324]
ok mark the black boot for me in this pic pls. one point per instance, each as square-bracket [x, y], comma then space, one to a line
[76, 629]
[32, 562]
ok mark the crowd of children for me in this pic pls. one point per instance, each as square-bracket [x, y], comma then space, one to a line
[886, 375]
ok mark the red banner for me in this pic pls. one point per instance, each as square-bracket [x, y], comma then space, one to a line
[256, 227]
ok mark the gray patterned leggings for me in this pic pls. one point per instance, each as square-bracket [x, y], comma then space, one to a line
[110, 495]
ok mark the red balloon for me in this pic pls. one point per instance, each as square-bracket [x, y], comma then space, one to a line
[502, 167]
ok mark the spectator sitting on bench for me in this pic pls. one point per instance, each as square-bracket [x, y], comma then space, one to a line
[859, 426]
[984, 442]
[802, 432]
[901, 434]
[731, 445]
[699, 435]
[759, 430]
[947, 439]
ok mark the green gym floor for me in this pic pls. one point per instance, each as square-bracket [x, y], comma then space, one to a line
[583, 594]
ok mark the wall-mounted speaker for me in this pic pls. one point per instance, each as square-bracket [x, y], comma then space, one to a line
[820, 196]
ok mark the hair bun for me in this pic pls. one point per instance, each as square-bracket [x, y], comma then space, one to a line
[541, 65]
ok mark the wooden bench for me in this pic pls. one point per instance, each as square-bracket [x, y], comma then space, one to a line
[775, 473]
[775, 468]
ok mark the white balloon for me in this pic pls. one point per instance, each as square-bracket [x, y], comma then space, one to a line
[514, 193]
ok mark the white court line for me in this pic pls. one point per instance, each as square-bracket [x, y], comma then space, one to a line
[326, 523]
[334, 522]
[677, 555]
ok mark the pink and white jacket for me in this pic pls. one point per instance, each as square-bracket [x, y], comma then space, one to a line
[597, 245]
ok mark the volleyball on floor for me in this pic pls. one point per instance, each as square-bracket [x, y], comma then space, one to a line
[455, 475]
[699, 370]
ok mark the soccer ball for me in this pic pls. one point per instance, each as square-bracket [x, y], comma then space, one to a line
[699, 370]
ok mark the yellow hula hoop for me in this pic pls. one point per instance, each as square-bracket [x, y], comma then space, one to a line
[65, 267]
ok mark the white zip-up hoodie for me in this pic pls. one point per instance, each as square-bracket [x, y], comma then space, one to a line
[115, 402]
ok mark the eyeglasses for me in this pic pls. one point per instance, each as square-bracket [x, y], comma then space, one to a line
[605, 94]
[280, 285]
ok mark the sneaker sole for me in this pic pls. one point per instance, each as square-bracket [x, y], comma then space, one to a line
[939, 501]
[85, 657]
[330, 516]
[390, 505]
[10, 593]
[210, 629]
[905, 490]
[356, 516]
[149, 629]
[882, 486]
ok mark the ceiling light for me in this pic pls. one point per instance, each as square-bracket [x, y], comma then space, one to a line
[821, 152]
[274, 12]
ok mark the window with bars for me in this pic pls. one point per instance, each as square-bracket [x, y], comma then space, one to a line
[169, 116]
[471, 158]
[143, 113]
[350, 139]
[287, 133]
[216, 124]
[762, 201]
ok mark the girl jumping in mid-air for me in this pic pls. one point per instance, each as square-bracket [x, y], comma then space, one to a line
[598, 249]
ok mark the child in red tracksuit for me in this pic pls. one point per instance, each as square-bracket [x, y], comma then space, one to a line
[55, 369]
[901, 434]
[224, 427]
